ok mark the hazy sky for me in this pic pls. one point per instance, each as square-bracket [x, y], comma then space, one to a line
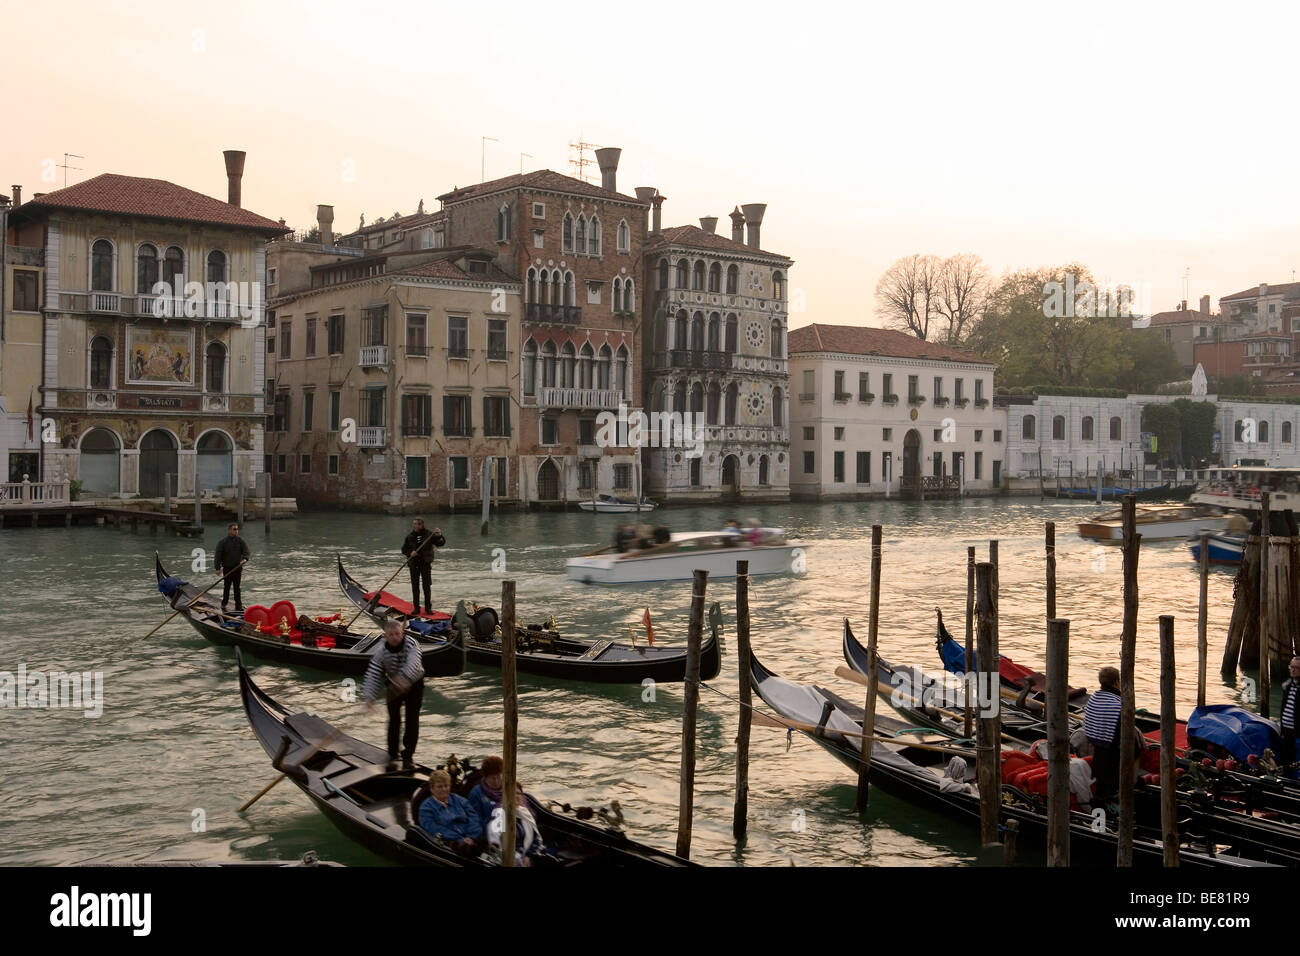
[1142, 140]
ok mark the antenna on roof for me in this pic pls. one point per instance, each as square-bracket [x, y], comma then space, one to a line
[1187, 281]
[65, 167]
[521, 161]
[582, 162]
[482, 156]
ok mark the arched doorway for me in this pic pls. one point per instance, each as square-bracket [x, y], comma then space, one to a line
[762, 470]
[157, 461]
[216, 460]
[548, 481]
[912, 461]
[730, 475]
[100, 462]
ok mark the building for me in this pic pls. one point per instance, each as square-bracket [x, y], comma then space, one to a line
[719, 316]
[1186, 330]
[22, 279]
[141, 385]
[577, 248]
[379, 365]
[1260, 309]
[882, 412]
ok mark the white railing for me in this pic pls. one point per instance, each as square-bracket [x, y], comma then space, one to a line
[369, 436]
[105, 302]
[33, 492]
[551, 397]
[374, 355]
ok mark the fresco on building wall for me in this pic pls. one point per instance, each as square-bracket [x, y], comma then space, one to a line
[158, 357]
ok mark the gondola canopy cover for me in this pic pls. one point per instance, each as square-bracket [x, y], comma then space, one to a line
[1238, 731]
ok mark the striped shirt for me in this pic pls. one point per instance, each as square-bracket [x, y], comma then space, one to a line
[1289, 694]
[387, 665]
[1101, 718]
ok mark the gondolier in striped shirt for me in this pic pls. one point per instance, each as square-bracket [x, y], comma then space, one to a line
[397, 670]
[1290, 713]
[1101, 725]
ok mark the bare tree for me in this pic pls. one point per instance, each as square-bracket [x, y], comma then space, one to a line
[908, 294]
[964, 288]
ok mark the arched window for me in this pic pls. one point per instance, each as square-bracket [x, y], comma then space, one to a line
[146, 268]
[503, 223]
[778, 286]
[101, 266]
[663, 274]
[603, 360]
[530, 287]
[625, 237]
[567, 358]
[697, 283]
[215, 367]
[629, 295]
[216, 291]
[683, 274]
[1058, 428]
[548, 365]
[697, 399]
[713, 343]
[1028, 427]
[778, 343]
[732, 337]
[580, 237]
[762, 470]
[173, 270]
[778, 409]
[617, 304]
[529, 370]
[733, 401]
[697, 332]
[679, 397]
[733, 279]
[101, 362]
[1087, 428]
[1115, 428]
[715, 278]
[714, 401]
[593, 237]
[1263, 431]
[585, 360]
[1286, 433]
[683, 341]
[568, 233]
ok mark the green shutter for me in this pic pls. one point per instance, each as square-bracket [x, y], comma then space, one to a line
[426, 406]
[487, 414]
[469, 415]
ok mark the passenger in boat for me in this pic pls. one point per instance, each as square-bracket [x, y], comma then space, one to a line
[1290, 712]
[419, 547]
[486, 795]
[625, 538]
[1101, 724]
[753, 533]
[954, 777]
[528, 838]
[662, 534]
[645, 536]
[230, 556]
[449, 815]
[397, 668]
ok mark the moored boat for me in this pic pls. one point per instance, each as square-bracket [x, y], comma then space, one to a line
[1224, 548]
[1154, 523]
[767, 550]
[350, 782]
[1240, 489]
[608, 504]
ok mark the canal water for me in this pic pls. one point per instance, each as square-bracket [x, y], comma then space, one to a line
[159, 775]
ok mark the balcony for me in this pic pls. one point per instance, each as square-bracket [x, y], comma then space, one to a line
[694, 358]
[369, 436]
[562, 314]
[590, 451]
[374, 355]
[842, 397]
[163, 307]
[552, 397]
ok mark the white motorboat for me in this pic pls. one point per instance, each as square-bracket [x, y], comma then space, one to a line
[1239, 489]
[608, 504]
[1154, 523]
[767, 550]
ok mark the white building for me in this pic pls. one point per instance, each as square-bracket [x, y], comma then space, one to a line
[877, 412]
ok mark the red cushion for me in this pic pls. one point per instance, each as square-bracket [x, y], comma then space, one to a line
[257, 615]
[283, 610]
[388, 599]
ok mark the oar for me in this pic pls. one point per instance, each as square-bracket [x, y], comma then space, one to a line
[763, 720]
[375, 599]
[278, 762]
[197, 596]
[857, 678]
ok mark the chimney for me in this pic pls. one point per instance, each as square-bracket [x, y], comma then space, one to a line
[18, 193]
[1182, 306]
[709, 223]
[754, 220]
[234, 173]
[1205, 305]
[658, 204]
[607, 158]
[1263, 289]
[737, 225]
[325, 224]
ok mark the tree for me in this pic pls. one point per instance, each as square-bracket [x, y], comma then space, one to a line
[964, 286]
[1197, 423]
[909, 293]
[1150, 359]
[1165, 422]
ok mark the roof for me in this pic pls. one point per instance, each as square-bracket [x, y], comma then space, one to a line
[1178, 316]
[448, 269]
[863, 340]
[398, 222]
[1285, 289]
[544, 179]
[697, 238]
[153, 198]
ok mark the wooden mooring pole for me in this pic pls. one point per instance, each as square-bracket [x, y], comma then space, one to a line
[1058, 742]
[869, 715]
[740, 816]
[1202, 645]
[1168, 755]
[267, 516]
[988, 743]
[1051, 570]
[1265, 631]
[694, 637]
[1127, 661]
[993, 561]
[510, 739]
[969, 730]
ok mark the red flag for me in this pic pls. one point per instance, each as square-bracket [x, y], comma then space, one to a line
[30, 420]
[645, 622]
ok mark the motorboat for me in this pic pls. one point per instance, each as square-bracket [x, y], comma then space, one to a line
[1154, 523]
[1224, 548]
[608, 504]
[767, 550]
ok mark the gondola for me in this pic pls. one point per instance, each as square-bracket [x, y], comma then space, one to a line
[349, 781]
[1165, 492]
[915, 776]
[340, 650]
[543, 652]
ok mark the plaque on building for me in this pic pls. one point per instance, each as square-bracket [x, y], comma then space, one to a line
[158, 401]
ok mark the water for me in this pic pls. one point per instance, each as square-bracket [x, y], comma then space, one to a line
[159, 776]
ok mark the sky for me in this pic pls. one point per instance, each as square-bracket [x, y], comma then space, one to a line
[1154, 143]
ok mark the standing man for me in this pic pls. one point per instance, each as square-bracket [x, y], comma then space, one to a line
[1290, 714]
[397, 668]
[418, 546]
[231, 553]
[1101, 724]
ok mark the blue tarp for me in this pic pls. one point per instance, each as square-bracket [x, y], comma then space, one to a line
[422, 626]
[1237, 730]
[168, 586]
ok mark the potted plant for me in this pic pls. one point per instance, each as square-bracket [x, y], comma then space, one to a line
[74, 489]
[891, 399]
[867, 398]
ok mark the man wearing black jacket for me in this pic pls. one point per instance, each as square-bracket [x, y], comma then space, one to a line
[231, 552]
[419, 546]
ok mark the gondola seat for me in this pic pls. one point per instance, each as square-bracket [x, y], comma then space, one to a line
[257, 615]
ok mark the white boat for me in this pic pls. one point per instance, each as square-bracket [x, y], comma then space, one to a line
[1239, 489]
[608, 504]
[677, 559]
[1154, 523]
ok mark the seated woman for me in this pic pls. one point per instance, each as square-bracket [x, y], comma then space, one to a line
[528, 838]
[486, 795]
[449, 815]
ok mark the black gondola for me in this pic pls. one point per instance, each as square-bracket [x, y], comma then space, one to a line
[543, 652]
[1166, 492]
[909, 774]
[349, 781]
[345, 651]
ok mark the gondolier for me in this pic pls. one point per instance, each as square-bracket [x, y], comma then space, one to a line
[1290, 713]
[397, 670]
[231, 553]
[1101, 724]
[419, 548]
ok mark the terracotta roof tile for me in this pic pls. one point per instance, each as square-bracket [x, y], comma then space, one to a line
[540, 179]
[1178, 316]
[1286, 289]
[154, 198]
[447, 269]
[695, 237]
[863, 340]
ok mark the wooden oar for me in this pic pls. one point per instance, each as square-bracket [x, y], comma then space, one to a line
[197, 596]
[370, 604]
[278, 762]
[855, 677]
[763, 720]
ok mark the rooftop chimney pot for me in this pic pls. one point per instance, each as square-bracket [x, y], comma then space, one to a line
[325, 224]
[607, 159]
[737, 225]
[234, 174]
[658, 201]
[18, 194]
[709, 223]
[754, 220]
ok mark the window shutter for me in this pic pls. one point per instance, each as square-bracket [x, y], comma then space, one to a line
[487, 413]
[406, 415]
[506, 414]
[446, 413]
[469, 414]
[426, 426]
